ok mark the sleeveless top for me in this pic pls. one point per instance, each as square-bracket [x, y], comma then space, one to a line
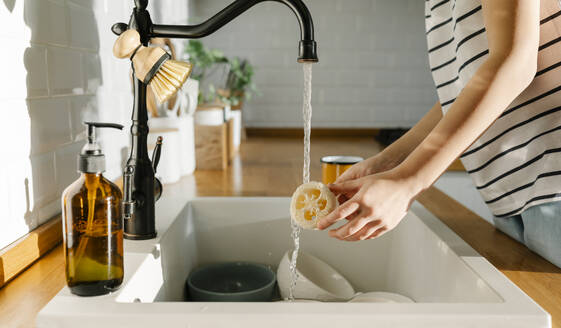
[516, 163]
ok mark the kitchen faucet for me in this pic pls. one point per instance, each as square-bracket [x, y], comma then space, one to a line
[141, 188]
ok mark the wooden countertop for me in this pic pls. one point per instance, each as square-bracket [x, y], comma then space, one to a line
[272, 167]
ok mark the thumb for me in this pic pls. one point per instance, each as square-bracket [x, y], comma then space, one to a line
[346, 176]
[344, 187]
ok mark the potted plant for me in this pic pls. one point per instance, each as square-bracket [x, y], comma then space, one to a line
[206, 63]
[238, 85]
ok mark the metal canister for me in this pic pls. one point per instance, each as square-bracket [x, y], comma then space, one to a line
[333, 166]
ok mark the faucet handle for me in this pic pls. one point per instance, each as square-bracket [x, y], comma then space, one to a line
[157, 153]
[128, 202]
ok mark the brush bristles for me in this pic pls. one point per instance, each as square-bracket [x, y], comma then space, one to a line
[170, 77]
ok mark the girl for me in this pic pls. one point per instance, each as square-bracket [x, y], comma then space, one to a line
[496, 65]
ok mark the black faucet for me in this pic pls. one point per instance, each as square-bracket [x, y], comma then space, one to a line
[141, 189]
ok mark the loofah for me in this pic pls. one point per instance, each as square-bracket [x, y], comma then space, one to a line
[310, 202]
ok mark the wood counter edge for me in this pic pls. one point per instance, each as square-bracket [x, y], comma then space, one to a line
[22, 253]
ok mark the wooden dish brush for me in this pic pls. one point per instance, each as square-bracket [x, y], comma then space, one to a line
[152, 65]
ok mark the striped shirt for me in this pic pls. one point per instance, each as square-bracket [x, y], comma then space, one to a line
[516, 163]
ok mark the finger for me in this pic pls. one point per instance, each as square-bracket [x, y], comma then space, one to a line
[339, 213]
[345, 187]
[346, 176]
[366, 231]
[352, 227]
[378, 233]
[341, 199]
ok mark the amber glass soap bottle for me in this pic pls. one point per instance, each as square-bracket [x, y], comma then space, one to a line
[92, 224]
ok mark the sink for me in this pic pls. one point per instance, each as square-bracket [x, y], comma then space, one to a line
[452, 285]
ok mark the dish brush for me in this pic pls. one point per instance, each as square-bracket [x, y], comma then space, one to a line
[152, 65]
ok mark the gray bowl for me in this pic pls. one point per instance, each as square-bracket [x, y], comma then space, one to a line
[231, 282]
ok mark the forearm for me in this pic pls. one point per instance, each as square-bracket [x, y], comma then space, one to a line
[512, 28]
[494, 86]
[401, 148]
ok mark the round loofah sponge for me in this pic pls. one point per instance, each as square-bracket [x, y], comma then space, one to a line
[310, 202]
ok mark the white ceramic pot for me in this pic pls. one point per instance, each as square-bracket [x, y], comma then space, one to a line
[216, 115]
[191, 91]
[317, 280]
[168, 170]
[236, 115]
[211, 116]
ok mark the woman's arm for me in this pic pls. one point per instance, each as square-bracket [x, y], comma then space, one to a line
[377, 203]
[405, 145]
[395, 153]
[513, 35]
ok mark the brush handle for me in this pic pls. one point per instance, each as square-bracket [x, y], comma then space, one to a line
[126, 44]
[145, 58]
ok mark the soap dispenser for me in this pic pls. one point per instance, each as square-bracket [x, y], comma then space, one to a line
[92, 224]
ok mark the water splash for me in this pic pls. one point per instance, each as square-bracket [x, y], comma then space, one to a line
[307, 116]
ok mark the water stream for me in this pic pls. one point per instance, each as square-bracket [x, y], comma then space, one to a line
[307, 115]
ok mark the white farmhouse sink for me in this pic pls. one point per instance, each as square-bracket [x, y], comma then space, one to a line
[451, 284]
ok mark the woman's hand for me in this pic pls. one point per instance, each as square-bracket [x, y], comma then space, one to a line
[376, 164]
[375, 205]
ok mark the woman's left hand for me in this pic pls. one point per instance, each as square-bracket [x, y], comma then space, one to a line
[373, 205]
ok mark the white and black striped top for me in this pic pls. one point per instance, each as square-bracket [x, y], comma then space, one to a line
[516, 163]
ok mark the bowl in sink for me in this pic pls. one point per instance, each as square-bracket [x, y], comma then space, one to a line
[316, 280]
[231, 282]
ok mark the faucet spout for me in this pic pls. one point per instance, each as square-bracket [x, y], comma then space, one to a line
[307, 48]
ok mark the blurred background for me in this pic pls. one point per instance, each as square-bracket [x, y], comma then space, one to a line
[372, 79]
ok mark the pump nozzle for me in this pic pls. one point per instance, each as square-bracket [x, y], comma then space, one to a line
[93, 125]
[91, 159]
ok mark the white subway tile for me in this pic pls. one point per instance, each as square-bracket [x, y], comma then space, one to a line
[318, 7]
[44, 184]
[375, 60]
[83, 27]
[354, 6]
[83, 3]
[82, 109]
[48, 21]
[50, 124]
[65, 71]
[20, 198]
[339, 59]
[36, 65]
[66, 165]
[275, 76]
[386, 78]
[92, 72]
[49, 210]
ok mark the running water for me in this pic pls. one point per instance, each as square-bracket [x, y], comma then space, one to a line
[307, 112]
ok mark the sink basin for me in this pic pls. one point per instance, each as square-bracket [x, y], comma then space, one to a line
[451, 284]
